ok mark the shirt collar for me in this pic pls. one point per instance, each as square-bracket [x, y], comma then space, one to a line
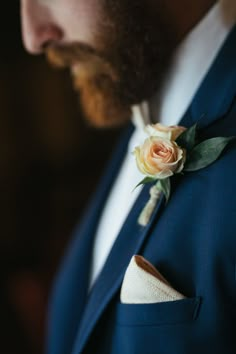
[191, 62]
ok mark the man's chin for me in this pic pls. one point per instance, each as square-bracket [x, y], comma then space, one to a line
[98, 89]
[101, 106]
[96, 81]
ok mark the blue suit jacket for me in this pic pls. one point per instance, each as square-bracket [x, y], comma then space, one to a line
[192, 242]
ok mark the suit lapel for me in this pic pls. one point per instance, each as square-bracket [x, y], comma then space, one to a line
[72, 284]
[211, 102]
[88, 227]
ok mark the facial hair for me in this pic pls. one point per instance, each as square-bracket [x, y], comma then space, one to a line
[134, 47]
[96, 82]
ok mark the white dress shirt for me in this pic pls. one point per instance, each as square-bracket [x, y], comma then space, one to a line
[190, 65]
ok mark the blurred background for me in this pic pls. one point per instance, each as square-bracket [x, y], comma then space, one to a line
[46, 180]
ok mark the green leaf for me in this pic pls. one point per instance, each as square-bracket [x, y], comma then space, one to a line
[146, 180]
[187, 139]
[165, 187]
[206, 153]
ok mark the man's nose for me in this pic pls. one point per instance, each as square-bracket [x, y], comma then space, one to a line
[38, 26]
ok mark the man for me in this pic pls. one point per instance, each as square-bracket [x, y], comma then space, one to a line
[180, 58]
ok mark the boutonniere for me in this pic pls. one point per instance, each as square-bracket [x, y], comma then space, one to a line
[169, 151]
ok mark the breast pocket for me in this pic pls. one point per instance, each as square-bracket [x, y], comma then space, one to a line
[171, 312]
[155, 328]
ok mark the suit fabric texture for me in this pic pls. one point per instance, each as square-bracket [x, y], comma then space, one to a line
[191, 241]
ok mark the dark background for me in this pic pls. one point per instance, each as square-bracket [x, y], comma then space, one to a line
[50, 162]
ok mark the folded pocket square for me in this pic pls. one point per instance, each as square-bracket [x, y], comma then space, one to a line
[143, 284]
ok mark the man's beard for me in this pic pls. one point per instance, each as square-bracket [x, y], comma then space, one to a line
[133, 50]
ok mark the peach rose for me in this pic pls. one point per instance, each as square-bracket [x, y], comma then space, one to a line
[163, 131]
[159, 157]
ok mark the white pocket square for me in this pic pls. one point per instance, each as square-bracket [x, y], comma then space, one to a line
[143, 284]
